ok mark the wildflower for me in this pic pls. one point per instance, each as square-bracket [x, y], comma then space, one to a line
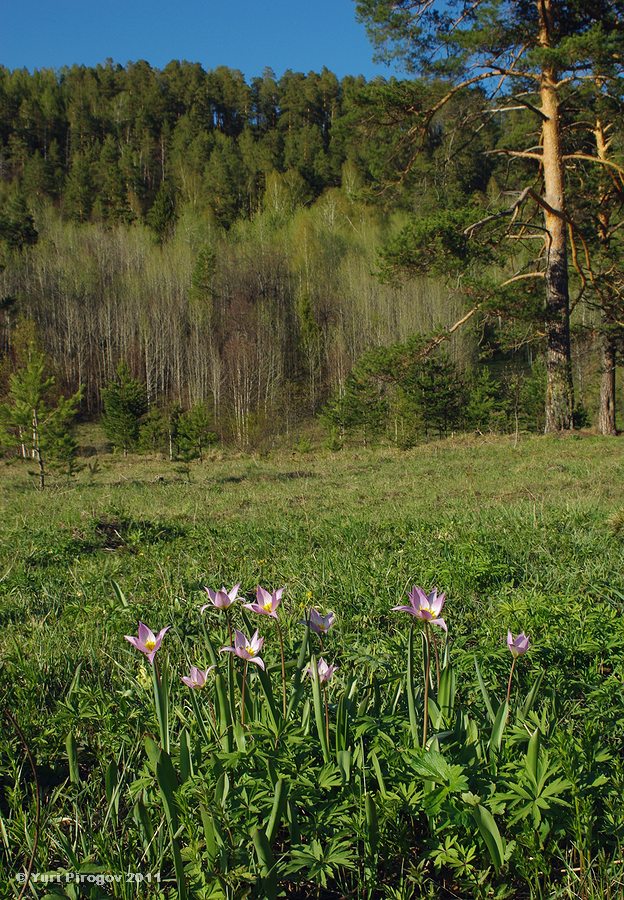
[221, 599]
[323, 670]
[246, 649]
[197, 677]
[266, 604]
[425, 606]
[147, 642]
[519, 645]
[318, 623]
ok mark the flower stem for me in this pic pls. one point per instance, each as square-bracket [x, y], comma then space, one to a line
[326, 713]
[281, 640]
[229, 625]
[427, 672]
[243, 694]
[161, 700]
[437, 659]
[513, 666]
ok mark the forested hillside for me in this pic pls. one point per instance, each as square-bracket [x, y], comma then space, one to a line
[238, 246]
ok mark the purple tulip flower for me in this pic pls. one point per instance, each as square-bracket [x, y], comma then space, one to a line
[425, 606]
[147, 642]
[323, 670]
[318, 623]
[519, 645]
[221, 599]
[196, 678]
[266, 604]
[246, 649]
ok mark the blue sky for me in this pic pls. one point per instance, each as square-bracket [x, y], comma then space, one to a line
[244, 34]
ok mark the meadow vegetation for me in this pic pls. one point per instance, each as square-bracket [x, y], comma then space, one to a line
[518, 801]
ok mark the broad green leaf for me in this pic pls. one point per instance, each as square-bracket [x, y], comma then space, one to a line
[532, 755]
[490, 834]
[277, 812]
[372, 824]
[119, 594]
[484, 692]
[496, 738]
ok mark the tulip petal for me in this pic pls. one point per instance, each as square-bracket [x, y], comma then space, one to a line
[135, 642]
[145, 633]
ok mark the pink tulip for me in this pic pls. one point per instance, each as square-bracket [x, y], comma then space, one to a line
[221, 599]
[196, 679]
[425, 606]
[246, 649]
[323, 670]
[519, 645]
[266, 604]
[318, 623]
[147, 642]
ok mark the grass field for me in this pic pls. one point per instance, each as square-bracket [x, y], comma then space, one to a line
[528, 537]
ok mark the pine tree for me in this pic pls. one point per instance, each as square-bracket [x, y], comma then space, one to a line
[195, 432]
[528, 54]
[162, 214]
[40, 427]
[125, 403]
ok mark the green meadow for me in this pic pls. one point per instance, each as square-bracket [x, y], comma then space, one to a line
[525, 534]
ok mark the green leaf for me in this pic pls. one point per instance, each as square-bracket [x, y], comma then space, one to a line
[378, 773]
[270, 706]
[529, 701]
[72, 758]
[319, 709]
[532, 756]
[168, 783]
[344, 759]
[446, 694]
[224, 713]
[484, 692]
[496, 738]
[279, 806]
[298, 681]
[266, 863]
[210, 834]
[186, 765]
[490, 834]
[153, 751]
[119, 594]
[372, 824]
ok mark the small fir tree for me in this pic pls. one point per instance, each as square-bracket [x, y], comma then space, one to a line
[195, 432]
[154, 431]
[42, 428]
[125, 404]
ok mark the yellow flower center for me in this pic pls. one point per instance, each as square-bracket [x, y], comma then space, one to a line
[149, 645]
[268, 606]
[250, 650]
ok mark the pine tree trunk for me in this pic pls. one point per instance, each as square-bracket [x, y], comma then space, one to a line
[606, 413]
[559, 386]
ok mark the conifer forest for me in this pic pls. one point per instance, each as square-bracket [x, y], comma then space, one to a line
[276, 250]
